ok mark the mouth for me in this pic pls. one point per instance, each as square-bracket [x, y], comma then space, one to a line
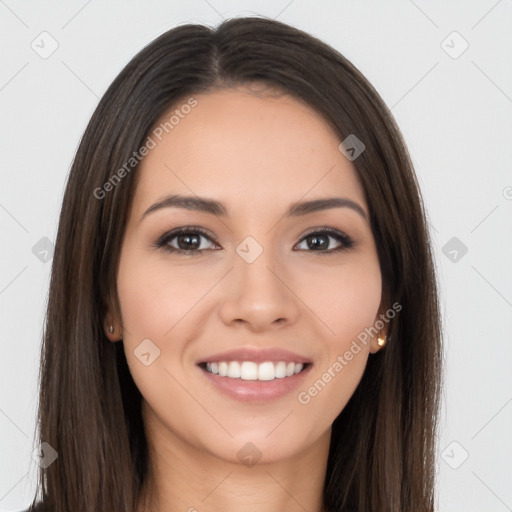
[253, 371]
[254, 383]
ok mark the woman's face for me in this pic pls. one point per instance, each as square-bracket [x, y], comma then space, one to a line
[255, 277]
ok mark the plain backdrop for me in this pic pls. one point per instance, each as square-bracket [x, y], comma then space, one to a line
[444, 68]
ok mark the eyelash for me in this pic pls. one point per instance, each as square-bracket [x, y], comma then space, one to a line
[163, 242]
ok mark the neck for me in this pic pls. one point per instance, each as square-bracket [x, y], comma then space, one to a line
[183, 478]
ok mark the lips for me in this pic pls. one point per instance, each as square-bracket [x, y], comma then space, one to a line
[255, 355]
[255, 375]
[255, 391]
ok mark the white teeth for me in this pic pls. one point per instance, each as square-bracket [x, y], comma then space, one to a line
[248, 370]
[266, 371]
[223, 369]
[280, 370]
[233, 370]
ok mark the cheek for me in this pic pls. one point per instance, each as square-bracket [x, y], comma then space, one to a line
[347, 302]
[153, 297]
[346, 299]
[154, 300]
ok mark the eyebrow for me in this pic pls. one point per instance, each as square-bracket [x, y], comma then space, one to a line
[202, 204]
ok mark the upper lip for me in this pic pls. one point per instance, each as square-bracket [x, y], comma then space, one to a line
[258, 355]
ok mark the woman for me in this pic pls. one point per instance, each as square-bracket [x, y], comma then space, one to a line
[243, 309]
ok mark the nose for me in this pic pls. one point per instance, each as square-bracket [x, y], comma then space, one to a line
[259, 295]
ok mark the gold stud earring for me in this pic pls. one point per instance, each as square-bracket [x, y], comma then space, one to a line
[381, 341]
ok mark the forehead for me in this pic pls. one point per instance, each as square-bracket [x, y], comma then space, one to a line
[236, 145]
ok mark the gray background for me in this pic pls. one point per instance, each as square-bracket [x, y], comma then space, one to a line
[454, 106]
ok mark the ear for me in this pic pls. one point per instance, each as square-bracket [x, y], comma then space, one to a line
[381, 320]
[113, 319]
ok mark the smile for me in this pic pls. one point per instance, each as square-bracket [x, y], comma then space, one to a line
[255, 383]
[249, 370]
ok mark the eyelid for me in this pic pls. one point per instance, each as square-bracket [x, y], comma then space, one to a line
[347, 241]
[169, 235]
[323, 229]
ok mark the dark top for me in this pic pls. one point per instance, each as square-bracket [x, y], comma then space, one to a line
[39, 507]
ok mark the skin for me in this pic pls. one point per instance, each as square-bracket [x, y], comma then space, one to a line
[256, 154]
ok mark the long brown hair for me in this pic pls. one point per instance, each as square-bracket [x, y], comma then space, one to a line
[382, 453]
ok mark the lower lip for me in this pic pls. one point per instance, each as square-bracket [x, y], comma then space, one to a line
[256, 391]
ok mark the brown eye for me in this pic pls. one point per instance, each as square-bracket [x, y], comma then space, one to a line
[186, 240]
[321, 240]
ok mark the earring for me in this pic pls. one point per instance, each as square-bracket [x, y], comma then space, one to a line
[111, 329]
[381, 341]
